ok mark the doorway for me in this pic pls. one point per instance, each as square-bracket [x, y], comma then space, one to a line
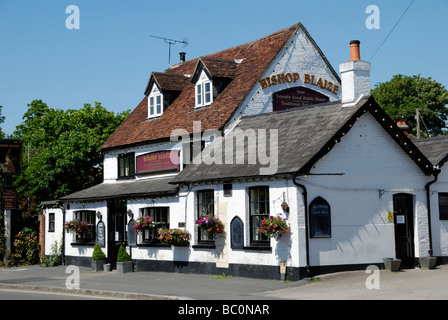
[116, 225]
[404, 228]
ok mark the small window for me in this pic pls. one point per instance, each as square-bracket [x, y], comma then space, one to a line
[160, 216]
[155, 103]
[227, 186]
[443, 206]
[51, 222]
[206, 206]
[88, 216]
[204, 91]
[126, 165]
[320, 219]
[259, 210]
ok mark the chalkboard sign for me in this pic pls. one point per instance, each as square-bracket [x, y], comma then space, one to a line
[236, 233]
[320, 221]
[132, 234]
[101, 234]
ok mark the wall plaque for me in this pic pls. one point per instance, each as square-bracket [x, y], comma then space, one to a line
[158, 162]
[132, 234]
[297, 97]
[101, 234]
[236, 233]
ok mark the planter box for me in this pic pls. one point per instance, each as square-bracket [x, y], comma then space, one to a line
[427, 262]
[97, 265]
[106, 267]
[124, 267]
[392, 264]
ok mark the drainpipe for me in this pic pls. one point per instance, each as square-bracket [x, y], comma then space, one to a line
[428, 200]
[305, 201]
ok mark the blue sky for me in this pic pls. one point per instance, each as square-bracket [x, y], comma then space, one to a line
[110, 57]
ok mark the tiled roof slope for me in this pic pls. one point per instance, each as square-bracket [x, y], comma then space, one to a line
[256, 55]
[305, 135]
[435, 149]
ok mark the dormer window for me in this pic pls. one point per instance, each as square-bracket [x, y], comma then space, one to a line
[204, 91]
[155, 103]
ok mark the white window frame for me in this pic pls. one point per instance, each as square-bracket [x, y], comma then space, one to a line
[155, 103]
[203, 90]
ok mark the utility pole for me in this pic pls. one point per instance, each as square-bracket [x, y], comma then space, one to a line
[417, 118]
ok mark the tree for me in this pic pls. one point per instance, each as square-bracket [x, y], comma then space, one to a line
[62, 149]
[403, 95]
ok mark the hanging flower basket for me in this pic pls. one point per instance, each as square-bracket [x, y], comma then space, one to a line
[274, 227]
[210, 224]
[144, 224]
[75, 226]
[175, 237]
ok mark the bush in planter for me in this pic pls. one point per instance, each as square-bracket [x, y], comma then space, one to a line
[123, 255]
[98, 254]
[124, 263]
[98, 258]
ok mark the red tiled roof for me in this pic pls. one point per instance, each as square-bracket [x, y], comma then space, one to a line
[256, 55]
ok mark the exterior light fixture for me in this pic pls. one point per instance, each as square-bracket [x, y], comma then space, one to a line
[284, 205]
[99, 215]
[130, 214]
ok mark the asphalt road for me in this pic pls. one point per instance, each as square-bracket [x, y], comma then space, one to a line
[15, 295]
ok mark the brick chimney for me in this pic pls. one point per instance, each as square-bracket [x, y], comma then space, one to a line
[355, 77]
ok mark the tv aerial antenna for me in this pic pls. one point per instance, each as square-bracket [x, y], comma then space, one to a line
[170, 43]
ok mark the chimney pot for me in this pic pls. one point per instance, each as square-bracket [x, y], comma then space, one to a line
[354, 50]
[182, 56]
[355, 77]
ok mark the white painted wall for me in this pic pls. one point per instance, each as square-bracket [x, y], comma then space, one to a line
[56, 236]
[439, 227]
[374, 168]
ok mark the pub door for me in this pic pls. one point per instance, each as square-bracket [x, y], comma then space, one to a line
[116, 222]
[404, 229]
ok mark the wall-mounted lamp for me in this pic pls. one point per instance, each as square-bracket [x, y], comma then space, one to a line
[284, 205]
[99, 215]
[130, 214]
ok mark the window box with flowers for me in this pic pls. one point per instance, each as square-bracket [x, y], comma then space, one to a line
[75, 226]
[145, 226]
[274, 227]
[175, 237]
[210, 224]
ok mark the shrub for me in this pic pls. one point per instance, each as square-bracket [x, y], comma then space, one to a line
[98, 254]
[26, 249]
[55, 257]
[123, 255]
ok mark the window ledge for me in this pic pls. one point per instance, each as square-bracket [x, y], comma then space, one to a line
[153, 245]
[80, 243]
[258, 248]
[204, 246]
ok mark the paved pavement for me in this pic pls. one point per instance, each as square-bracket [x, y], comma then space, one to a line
[409, 284]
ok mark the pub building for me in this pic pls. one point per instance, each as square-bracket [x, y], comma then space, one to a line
[266, 128]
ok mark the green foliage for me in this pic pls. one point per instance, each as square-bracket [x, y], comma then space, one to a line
[98, 254]
[55, 257]
[62, 149]
[123, 255]
[26, 249]
[402, 95]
